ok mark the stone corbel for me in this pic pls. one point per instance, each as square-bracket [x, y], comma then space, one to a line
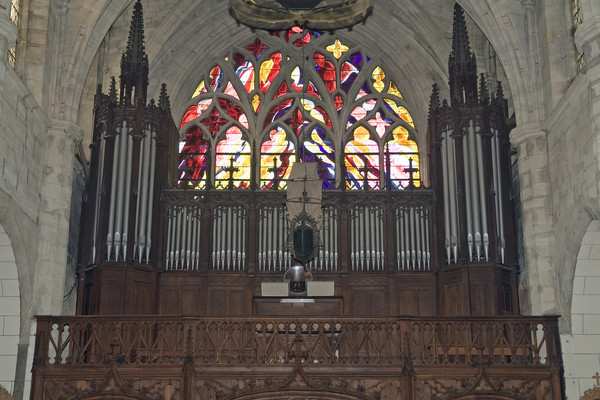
[71, 130]
[526, 132]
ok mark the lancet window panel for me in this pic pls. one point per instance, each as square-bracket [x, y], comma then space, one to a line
[183, 238]
[229, 237]
[412, 226]
[319, 90]
[366, 238]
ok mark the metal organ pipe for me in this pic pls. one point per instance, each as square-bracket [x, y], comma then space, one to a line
[150, 195]
[98, 192]
[471, 230]
[120, 190]
[473, 188]
[113, 193]
[480, 171]
[127, 193]
[498, 191]
[446, 192]
[142, 199]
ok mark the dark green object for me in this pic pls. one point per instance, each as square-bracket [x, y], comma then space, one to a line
[304, 246]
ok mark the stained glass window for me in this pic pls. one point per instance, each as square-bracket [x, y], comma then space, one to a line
[194, 154]
[362, 161]
[297, 95]
[401, 160]
[277, 155]
[319, 148]
[232, 161]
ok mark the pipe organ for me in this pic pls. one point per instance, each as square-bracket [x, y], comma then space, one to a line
[229, 239]
[151, 246]
[412, 238]
[366, 238]
[184, 235]
[273, 254]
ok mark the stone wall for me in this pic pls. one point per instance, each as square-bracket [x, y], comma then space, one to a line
[574, 189]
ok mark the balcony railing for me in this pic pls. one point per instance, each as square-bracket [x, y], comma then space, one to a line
[443, 341]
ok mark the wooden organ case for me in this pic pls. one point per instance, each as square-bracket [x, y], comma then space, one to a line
[152, 248]
[171, 299]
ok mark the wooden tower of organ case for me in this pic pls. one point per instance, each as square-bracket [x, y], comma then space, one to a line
[470, 173]
[133, 158]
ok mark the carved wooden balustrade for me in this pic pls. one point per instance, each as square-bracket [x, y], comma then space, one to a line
[517, 346]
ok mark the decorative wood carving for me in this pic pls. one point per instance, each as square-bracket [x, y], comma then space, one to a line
[4, 395]
[591, 394]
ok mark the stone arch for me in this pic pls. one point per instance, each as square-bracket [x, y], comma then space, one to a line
[9, 312]
[580, 361]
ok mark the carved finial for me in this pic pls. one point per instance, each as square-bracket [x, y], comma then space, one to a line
[434, 100]
[163, 102]
[112, 91]
[484, 95]
[134, 61]
[462, 66]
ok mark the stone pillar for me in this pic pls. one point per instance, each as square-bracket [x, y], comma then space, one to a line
[54, 216]
[538, 275]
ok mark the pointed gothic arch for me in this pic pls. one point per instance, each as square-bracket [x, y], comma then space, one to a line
[314, 87]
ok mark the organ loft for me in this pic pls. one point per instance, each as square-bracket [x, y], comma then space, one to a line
[289, 237]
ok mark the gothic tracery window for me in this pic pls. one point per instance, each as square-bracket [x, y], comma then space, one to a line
[297, 96]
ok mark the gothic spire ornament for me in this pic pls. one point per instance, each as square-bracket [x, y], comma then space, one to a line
[462, 67]
[134, 61]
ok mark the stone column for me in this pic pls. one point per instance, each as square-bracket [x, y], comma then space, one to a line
[55, 208]
[539, 272]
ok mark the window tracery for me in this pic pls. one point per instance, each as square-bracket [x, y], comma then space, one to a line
[297, 96]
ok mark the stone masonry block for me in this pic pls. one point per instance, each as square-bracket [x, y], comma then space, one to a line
[9, 306]
[8, 345]
[6, 254]
[584, 251]
[595, 253]
[591, 237]
[12, 325]
[586, 304]
[588, 268]
[584, 363]
[10, 287]
[591, 326]
[592, 286]
[579, 285]
[576, 325]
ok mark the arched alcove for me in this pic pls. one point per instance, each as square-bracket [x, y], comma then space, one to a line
[9, 312]
[581, 359]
